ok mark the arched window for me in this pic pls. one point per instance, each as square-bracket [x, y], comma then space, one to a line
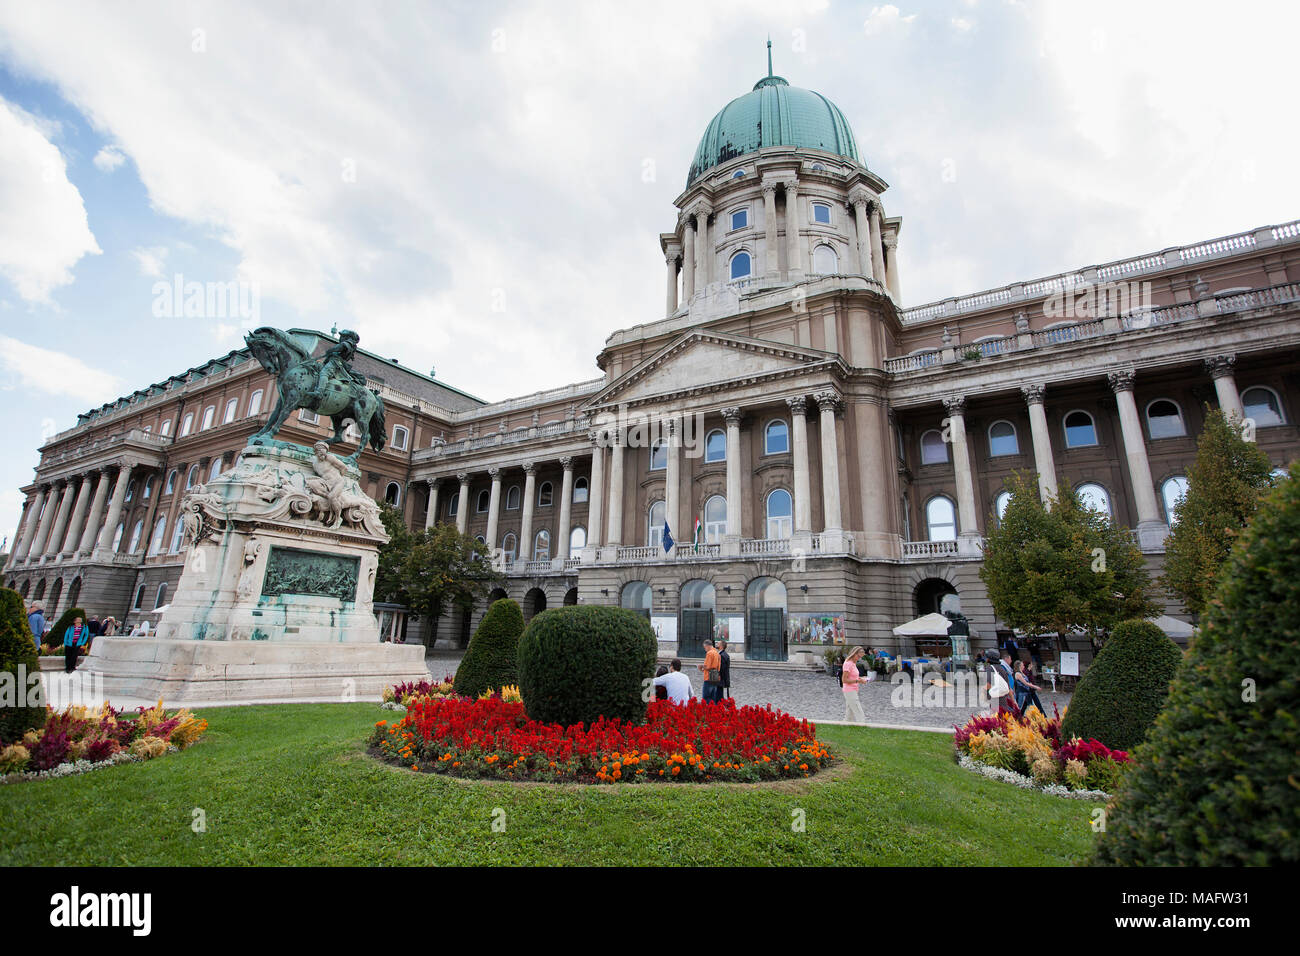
[215, 468]
[117, 537]
[510, 546]
[715, 446]
[166, 428]
[739, 218]
[148, 489]
[579, 491]
[187, 424]
[484, 501]
[159, 533]
[740, 265]
[780, 514]
[776, 438]
[1080, 431]
[139, 598]
[765, 593]
[1261, 404]
[130, 490]
[545, 494]
[399, 438]
[1164, 420]
[1171, 493]
[941, 519]
[715, 519]
[171, 482]
[160, 596]
[542, 546]
[1002, 439]
[513, 498]
[393, 493]
[208, 414]
[255, 402]
[658, 454]
[1094, 497]
[934, 450]
[825, 261]
[635, 596]
[191, 477]
[821, 213]
[232, 407]
[698, 594]
[1000, 504]
[452, 504]
[136, 534]
[738, 174]
[655, 525]
[577, 540]
[178, 537]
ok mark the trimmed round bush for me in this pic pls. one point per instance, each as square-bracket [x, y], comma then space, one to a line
[1120, 694]
[17, 648]
[583, 662]
[1215, 782]
[492, 659]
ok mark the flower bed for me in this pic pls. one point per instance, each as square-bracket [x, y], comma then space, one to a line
[79, 739]
[698, 742]
[1029, 745]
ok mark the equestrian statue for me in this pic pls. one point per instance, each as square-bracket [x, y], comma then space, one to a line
[328, 387]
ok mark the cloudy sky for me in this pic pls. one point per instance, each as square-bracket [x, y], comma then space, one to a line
[479, 187]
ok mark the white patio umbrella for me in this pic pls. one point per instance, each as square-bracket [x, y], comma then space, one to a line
[929, 625]
[1173, 627]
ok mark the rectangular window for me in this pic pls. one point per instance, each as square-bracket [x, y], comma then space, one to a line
[822, 213]
[740, 219]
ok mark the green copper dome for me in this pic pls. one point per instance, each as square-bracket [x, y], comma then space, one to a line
[773, 114]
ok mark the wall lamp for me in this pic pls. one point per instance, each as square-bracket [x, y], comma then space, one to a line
[803, 588]
[727, 588]
[605, 591]
[662, 591]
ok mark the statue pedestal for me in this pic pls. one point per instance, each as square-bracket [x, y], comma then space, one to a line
[275, 601]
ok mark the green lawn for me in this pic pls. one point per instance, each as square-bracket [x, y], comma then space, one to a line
[291, 784]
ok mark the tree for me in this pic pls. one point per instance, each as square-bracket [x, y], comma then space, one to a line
[1224, 487]
[18, 665]
[492, 658]
[1215, 783]
[1054, 568]
[431, 571]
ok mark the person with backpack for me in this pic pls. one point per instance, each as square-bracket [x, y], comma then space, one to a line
[850, 681]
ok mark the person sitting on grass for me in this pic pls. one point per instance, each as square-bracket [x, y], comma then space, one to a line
[677, 683]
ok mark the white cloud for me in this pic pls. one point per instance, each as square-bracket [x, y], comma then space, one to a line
[883, 19]
[151, 260]
[33, 368]
[44, 231]
[963, 24]
[108, 159]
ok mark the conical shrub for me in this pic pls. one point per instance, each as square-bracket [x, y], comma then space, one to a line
[19, 711]
[492, 659]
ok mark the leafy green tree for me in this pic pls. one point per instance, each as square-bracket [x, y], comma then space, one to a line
[1215, 783]
[432, 571]
[492, 658]
[1051, 570]
[18, 663]
[1224, 487]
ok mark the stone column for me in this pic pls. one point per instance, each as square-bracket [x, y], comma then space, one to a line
[771, 254]
[530, 499]
[53, 545]
[87, 545]
[561, 550]
[891, 267]
[73, 536]
[1220, 369]
[431, 516]
[596, 493]
[1043, 461]
[967, 522]
[47, 521]
[794, 256]
[671, 260]
[829, 404]
[462, 502]
[1150, 527]
[688, 258]
[864, 235]
[703, 248]
[615, 535]
[799, 446]
[877, 246]
[732, 417]
[30, 525]
[673, 481]
[105, 541]
[494, 509]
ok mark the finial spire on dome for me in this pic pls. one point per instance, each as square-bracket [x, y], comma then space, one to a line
[769, 54]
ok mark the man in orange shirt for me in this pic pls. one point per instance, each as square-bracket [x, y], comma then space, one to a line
[712, 671]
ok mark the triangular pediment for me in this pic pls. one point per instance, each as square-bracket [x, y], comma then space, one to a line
[699, 358]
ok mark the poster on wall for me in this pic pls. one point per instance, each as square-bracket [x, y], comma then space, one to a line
[665, 627]
[1070, 663]
[826, 628]
[729, 629]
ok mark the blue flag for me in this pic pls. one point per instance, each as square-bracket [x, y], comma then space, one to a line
[668, 539]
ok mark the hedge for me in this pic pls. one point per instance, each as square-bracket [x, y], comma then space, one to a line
[18, 649]
[492, 659]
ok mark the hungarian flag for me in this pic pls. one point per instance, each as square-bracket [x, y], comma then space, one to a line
[696, 536]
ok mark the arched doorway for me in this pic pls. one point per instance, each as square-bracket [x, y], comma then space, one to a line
[570, 597]
[695, 623]
[534, 602]
[765, 602]
[498, 594]
[935, 595]
[635, 596]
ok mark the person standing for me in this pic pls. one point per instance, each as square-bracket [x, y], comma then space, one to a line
[74, 639]
[724, 671]
[1026, 690]
[850, 681]
[36, 621]
[712, 671]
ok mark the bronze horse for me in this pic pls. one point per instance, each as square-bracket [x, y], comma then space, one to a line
[298, 376]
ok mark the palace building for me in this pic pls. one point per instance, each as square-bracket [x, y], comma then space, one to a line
[841, 453]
